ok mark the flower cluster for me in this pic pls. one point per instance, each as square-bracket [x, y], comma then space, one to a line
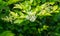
[31, 17]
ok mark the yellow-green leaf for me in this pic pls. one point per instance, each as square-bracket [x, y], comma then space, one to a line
[55, 7]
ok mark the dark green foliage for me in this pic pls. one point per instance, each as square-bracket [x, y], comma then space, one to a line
[29, 17]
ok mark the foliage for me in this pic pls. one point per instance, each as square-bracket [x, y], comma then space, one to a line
[29, 17]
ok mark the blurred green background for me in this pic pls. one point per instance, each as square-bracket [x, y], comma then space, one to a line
[29, 17]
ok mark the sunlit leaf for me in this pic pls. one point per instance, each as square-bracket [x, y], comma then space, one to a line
[55, 7]
[18, 21]
[12, 1]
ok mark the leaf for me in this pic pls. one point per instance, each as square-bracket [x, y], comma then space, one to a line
[18, 6]
[52, 3]
[31, 1]
[12, 1]
[43, 1]
[7, 33]
[18, 21]
[44, 13]
[45, 27]
[55, 7]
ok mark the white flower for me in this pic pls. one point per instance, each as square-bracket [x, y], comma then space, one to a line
[31, 17]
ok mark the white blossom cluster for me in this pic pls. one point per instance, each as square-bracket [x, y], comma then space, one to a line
[31, 17]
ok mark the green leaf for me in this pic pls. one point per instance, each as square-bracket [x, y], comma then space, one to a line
[12, 1]
[18, 21]
[45, 27]
[55, 7]
[43, 1]
[44, 13]
[7, 33]
[52, 3]
[18, 6]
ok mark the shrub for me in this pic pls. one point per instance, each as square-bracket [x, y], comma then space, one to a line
[29, 17]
